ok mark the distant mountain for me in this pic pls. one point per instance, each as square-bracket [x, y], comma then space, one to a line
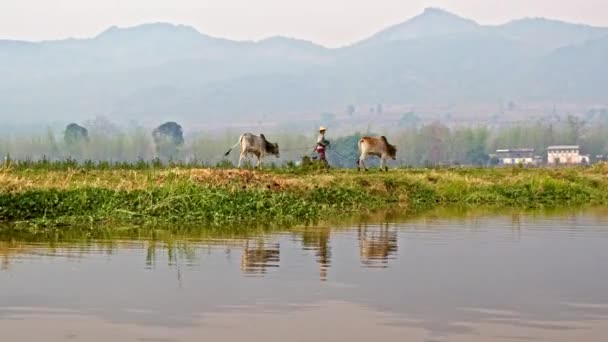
[163, 71]
[576, 72]
[161, 31]
[433, 22]
[550, 34]
[290, 44]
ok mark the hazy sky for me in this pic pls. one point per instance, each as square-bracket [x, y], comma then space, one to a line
[328, 22]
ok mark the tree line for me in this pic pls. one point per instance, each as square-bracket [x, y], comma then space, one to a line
[418, 144]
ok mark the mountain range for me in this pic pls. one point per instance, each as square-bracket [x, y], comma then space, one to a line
[164, 71]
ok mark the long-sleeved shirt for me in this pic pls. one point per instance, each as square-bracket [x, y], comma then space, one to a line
[322, 141]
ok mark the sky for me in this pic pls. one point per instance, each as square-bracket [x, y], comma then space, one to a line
[328, 22]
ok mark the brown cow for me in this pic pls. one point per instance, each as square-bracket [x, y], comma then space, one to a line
[376, 146]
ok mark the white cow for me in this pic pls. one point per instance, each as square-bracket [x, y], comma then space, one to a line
[256, 145]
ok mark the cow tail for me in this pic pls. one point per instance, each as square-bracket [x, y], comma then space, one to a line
[235, 145]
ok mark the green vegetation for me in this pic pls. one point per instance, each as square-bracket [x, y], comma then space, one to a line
[41, 197]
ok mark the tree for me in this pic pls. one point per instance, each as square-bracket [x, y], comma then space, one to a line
[75, 138]
[328, 119]
[434, 136]
[75, 134]
[344, 151]
[511, 106]
[102, 126]
[351, 109]
[168, 138]
[476, 143]
[409, 119]
[575, 128]
[603, 115]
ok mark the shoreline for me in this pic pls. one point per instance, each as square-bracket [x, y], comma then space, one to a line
[228, 197]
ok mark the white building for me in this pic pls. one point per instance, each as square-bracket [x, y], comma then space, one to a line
[524, 156]
[567, 155]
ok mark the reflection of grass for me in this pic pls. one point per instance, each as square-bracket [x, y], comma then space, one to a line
[173, 242]
[183, 244]
[218, 197]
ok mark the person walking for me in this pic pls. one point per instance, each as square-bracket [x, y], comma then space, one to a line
[322, 145]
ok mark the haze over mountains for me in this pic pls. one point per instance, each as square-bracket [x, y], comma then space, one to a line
[163, 71]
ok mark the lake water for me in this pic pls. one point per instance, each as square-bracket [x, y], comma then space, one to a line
[472, 277]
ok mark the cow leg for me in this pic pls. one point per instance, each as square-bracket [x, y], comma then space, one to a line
[362, 162]
[241, 157]
[383, 164]
[259, 164]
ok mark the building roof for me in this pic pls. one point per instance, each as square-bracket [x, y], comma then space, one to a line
[515, 153]
[515, 150]
[563, 147]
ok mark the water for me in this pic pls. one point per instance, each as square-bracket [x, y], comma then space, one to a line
[490, 277]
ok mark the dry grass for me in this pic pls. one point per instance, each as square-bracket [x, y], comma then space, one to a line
[17, 181]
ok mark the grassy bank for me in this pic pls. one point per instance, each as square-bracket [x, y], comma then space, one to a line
[39, 197]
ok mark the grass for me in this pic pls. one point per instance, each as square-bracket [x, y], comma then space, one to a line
[52, 197]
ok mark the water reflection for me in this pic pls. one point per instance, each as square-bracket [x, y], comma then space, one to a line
[258, 256]
[467, 277]
[318, 240]
[377, 244]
